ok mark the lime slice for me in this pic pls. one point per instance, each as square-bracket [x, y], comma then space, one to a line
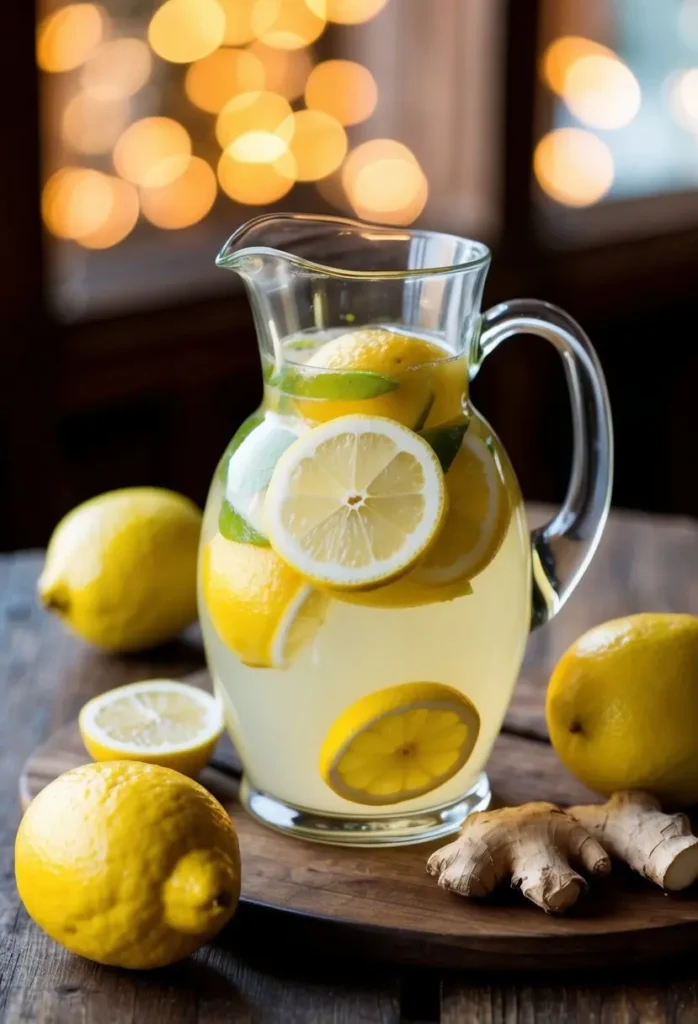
[234, 527]
[345, 385]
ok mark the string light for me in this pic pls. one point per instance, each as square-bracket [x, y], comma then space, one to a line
[562, 53]
[66, 38]
[238, 21]
[119, 222]
[683, 99]
[182, 31]
[184, 201]
[91, 125]
[347, 12]
[258, 112]
[256, 184]
[118, 68]
[342, 88]
[318, 144]
[286, 26]
[601, 92]
[76, 201]
[213, 80]
[573, 166]
[384, 182]
[152, 152]
[285, 71]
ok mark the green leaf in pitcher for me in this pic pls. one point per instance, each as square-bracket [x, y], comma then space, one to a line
[343, 386]
[234, 527]
[424, 414]
[446, 442]
[243, 431]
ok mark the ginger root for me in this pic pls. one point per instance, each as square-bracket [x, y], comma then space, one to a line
[534, 845]
[632, 827]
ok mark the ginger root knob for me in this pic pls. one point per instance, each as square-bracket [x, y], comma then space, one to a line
[535, 845]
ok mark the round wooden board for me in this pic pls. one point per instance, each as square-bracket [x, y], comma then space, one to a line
[381, 904]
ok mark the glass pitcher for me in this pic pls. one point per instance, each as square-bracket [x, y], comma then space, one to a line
[365, 686]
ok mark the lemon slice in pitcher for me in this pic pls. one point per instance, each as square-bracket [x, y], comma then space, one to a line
[355, 502]
[399, 743]
[159, 721]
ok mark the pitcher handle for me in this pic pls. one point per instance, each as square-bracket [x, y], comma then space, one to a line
[562, 549]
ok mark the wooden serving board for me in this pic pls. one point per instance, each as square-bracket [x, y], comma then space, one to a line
[381, 904]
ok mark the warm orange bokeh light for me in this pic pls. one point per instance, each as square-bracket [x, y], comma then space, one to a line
[152, 152]
[319, 144]
[91, 125]
[602, 92]
[118, 68]
[563, 53]
[342, 88]
[384, 182]
[286, 24]
[332, 191]
[66, 38]
[76, 201]
[120, 221]
[238, 21]
[259, 112]
[285, 71]
[182, 31]
[183, 202]
[574, 167]
[256, 184]
[215, 79]
[347, 12]
[683, 99]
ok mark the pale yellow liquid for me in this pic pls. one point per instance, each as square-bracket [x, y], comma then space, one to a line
[279, 719]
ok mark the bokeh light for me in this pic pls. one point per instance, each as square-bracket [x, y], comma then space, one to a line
[347, 12]
[66, 38]
[238, 21]
[119, 222]
[258, 112]
[285, 71]
[184, 201]
[256, 184]
[118, 68]
[573, 166]
[683, 99]
[182, 31]
[332, 191]
[213, 80]
[152, 152]
[319, 144]
[90, 125]
[384, 182]
[561, 54]
[342, 88]
[601, 92]
[76, 201]
[286, 24]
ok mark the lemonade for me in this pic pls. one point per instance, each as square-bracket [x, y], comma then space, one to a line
[364, 669]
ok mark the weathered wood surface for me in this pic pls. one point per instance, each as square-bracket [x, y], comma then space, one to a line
[45, 676]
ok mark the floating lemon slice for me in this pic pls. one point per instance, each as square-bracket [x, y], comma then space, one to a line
[477, 519]
[399, 743]
[355, 502]
[158, 721]
[263, 610]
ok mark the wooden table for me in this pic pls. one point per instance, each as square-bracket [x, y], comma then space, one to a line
[645, 563]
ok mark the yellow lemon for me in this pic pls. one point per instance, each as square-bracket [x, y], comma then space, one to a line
[261, 608]
[128, 864]
[430, 384]
[622, 706]
[405, 592]
[355, 502]
[399, 743]
[121, 568]
[477, 519]
[158, 721]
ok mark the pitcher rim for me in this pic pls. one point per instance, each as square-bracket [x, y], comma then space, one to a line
[226, 259]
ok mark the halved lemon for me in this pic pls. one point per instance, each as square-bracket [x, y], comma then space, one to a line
[478, 515]
[399, 743]
[262, 609]
[355, 502]
[158, 721]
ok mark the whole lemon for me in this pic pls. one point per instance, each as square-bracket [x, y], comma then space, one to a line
[121, 568]
[128, 864]
[622, 706]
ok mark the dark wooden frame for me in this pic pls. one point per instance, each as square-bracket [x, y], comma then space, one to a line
[51, 371]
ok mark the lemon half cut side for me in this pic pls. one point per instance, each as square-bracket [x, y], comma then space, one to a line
[355, 502]
[399, 743]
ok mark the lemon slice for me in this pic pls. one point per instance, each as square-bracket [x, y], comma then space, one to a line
[477, 519]
[263, 610]
[158, 721]
[399, 743]
[355, 502]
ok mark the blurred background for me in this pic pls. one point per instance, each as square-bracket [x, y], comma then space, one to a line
[138, 136]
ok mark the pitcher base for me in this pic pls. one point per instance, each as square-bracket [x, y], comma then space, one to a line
[347, 830]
